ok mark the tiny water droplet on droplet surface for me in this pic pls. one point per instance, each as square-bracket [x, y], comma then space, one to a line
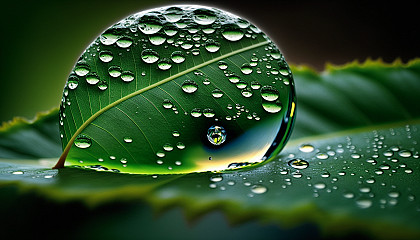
[405, 153]
[177, 57]
[173, 14]
[149, 56]
[269, 93]
[168, 147]
[212, 46]
[149, 24]
[167, 104]
[106, 56]
[164, 64]
[232, 33]
[127, 76]
[82, 141]
[180, 145]
[204, 16]
[222, 65]
[196, 112]
[114, 71]
[216, 135]
[246, 69]
[272, 107]
[189, 86]
[92, 79]
[217, 93]
[298, 164]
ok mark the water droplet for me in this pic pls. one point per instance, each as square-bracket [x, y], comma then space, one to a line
[177, 57]
[241, 84]
[180, 145]
[157, 39]
[322, 156]
[114, 71]
[170, 31]
[232, 32]
[325, 174]
[81, 69]
[348, 195]
[216, 135]
[168, 147]
[178, 163]
[187, 45]
[124, 42]
[269, 93]
[319, 185]
[246, 69]
[234, 79]
[92, 79]
[275, 53]
[212, 46]
[196, 112]
[164, 64]
[405, 153]
[82, 141]
[127, 76]
[255, 85]
[242, 23]
[149, 24]
[167, 104]
[173, 14]
[106, 56]
[355, 156]
[128, 140]
[222, 65]
[259, 189]
[307, 148]
[208, 112]
[102, 85]
[160, 154]
[247, 92]
[272, 107]
[123, 161]
[394, 194]
[364, 203]
[149, 56]
[216, 178]
[189, 86]
[110, 36]
[217, 93]
[297, 174]
[72, 82]
[204, 16]
[298, 163]
[175, 134]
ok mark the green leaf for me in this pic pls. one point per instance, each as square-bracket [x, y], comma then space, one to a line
[361, 178]
[177, 90]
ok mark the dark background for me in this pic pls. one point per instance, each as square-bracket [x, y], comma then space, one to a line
[41, 40]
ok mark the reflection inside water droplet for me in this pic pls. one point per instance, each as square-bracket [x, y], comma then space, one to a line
[216, 135]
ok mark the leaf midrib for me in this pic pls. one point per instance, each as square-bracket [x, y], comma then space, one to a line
[66, 150]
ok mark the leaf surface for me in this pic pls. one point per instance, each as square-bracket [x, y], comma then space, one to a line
[361, 174]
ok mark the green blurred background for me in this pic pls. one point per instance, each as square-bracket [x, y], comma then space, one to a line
[41, 40]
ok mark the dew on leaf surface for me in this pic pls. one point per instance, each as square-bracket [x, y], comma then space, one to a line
[210, 75]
